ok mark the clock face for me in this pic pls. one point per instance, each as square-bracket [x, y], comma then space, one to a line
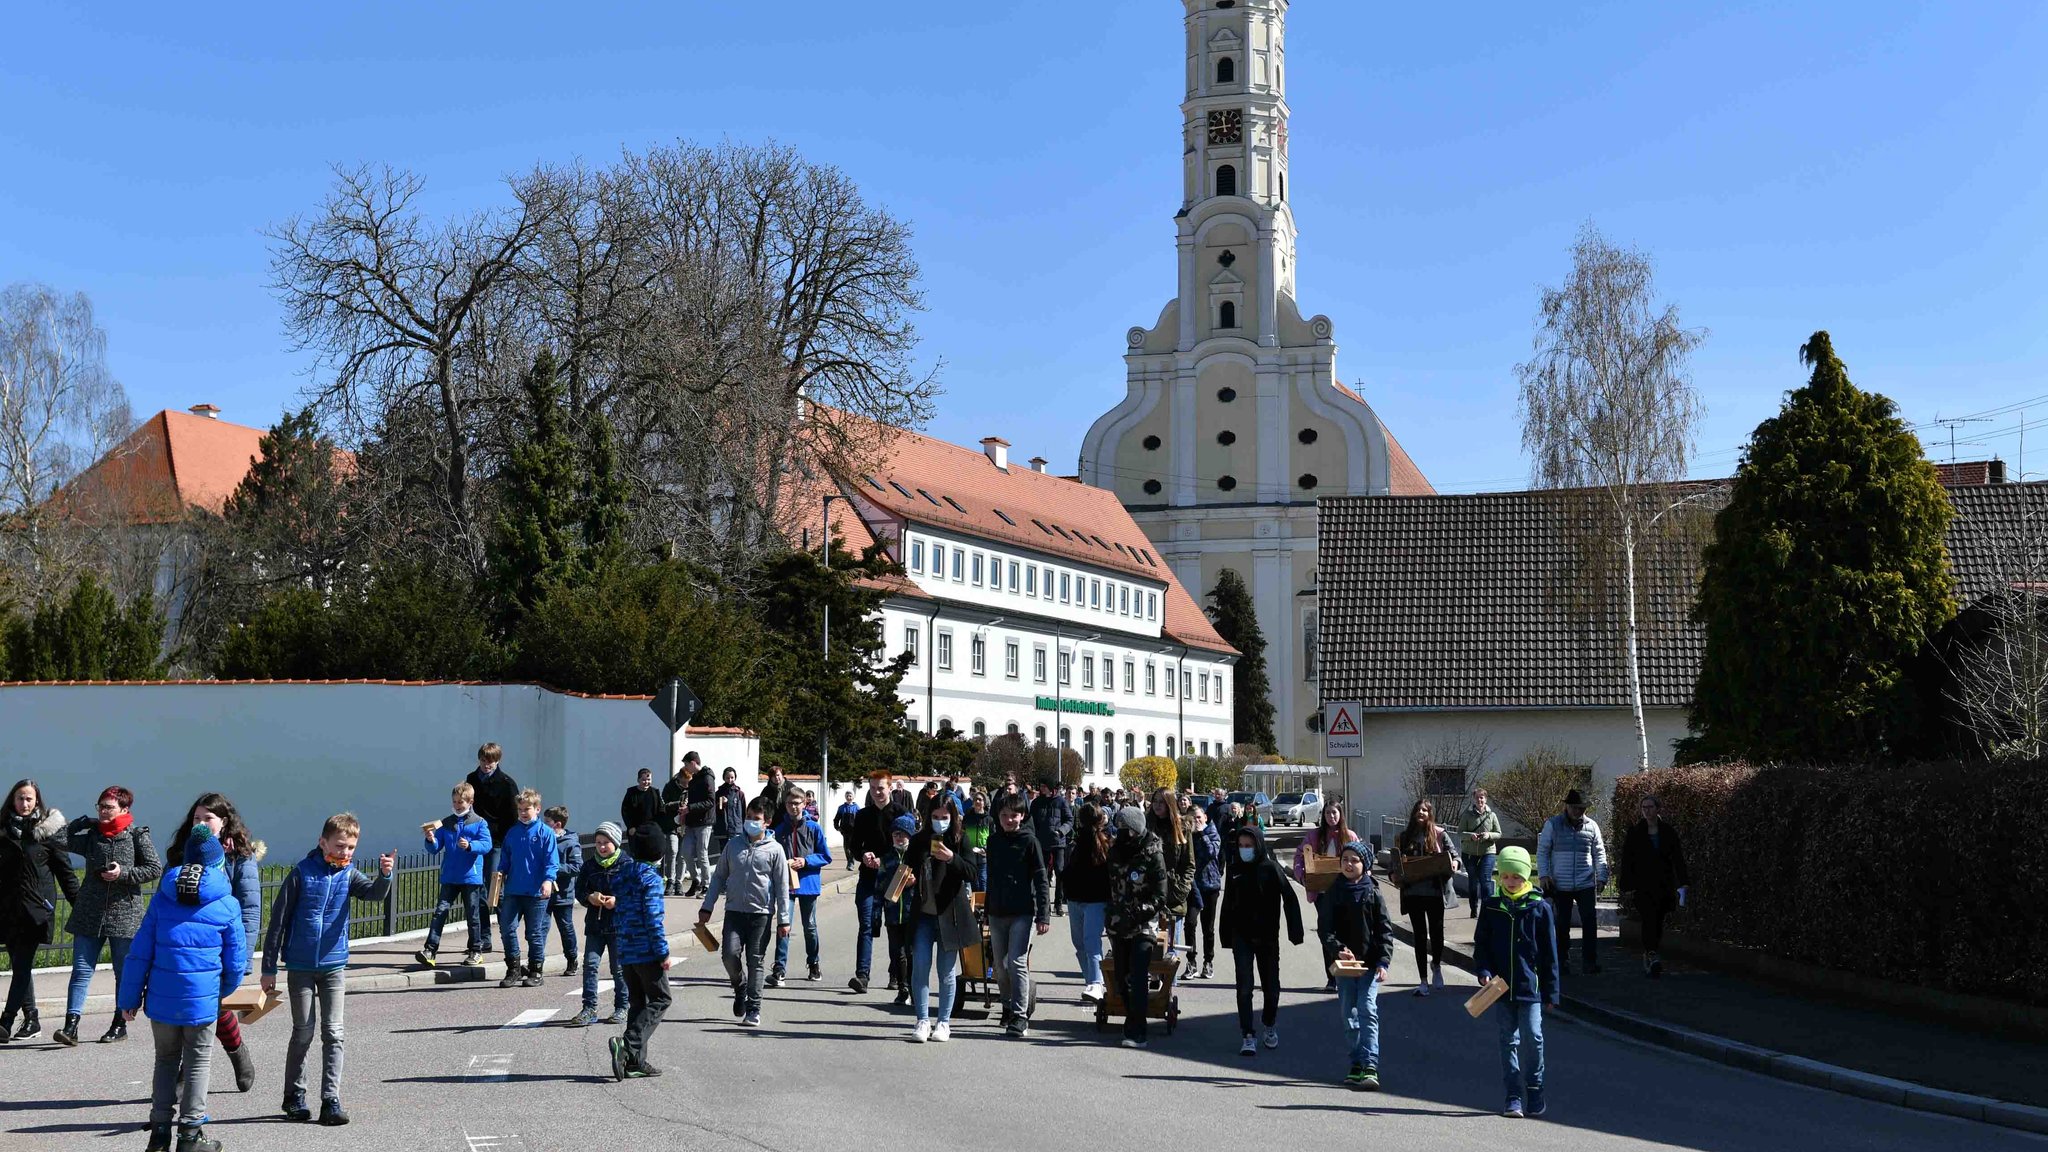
[1226, 127]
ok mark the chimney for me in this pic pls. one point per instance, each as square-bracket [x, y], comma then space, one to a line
[1038, 463]
[998, 450]
[208, 411]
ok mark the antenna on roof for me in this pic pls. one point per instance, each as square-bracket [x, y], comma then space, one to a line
[1951, 422]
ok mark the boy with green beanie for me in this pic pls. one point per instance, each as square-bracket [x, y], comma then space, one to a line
[1516, 940]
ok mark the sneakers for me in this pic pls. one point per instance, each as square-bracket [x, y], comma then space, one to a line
[752, 1019]
[739, 1003]
[921, 1032]
[1093, 993]
[570, 969]
[642, 1072]
[941, 1032]
[331, 1114]
[615, 1016]
[584, 1018]
[1536, 1104]
[618, 1050]
[1208, 969]
[1272, 1037]
[1371, 1080]
[1140, 1045]
[1436, 976]
[1422, 988]
[1514, 1108]
[774, 979]
[472, 958]
[295, 1109]
[424, 957]
[1014, 1029]
[1654, 965]
[1250, 1047]
[858, 984]
[903, 996]
[532, 979]
[512, 976]
[195, 1140]
[816, 973]
[1355, 1077]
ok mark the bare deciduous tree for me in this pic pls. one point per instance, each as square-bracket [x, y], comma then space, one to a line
[60, 410]
[1427, 766]
[1999, 663]
[1608, 405]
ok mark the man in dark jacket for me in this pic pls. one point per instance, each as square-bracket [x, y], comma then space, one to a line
[867, 843]
[496, 792]
[1017, 901]
[675, 797]
[1137, 894]
[699, 805]
[1052, 822]
[772, 793]
[728, 810]
[1255, 894]
[641, 805]
[1653, 873]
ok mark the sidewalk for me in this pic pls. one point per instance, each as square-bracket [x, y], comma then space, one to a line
[1755, 1025]
[387, 963]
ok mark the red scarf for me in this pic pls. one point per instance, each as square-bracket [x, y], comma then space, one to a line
[116, 826]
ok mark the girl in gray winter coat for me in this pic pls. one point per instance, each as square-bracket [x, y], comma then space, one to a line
[120, 865]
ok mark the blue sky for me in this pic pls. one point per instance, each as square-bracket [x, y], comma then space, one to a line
[1876, 169]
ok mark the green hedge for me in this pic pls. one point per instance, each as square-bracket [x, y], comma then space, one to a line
[1928, 874]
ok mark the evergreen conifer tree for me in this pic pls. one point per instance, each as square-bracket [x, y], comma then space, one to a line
[1230, 609]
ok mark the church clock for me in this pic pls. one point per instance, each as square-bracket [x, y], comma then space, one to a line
[1226, 127]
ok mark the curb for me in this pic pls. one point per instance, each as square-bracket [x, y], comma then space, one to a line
[1783, 1065]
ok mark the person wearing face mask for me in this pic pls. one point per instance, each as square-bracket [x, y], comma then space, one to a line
[217, 814]
[1086, 878]
[1137, 899]
[1571, 864]
[803, 841]
[1516, 941]
[943, 920]
[120, 865]
[753, 876]
[1255, 893]
[33, 866]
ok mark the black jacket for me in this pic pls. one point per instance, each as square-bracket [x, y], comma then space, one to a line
[1254, 894]
[1358, 921]
[1653, 873]
[1016, 876]
[675, 795]
[774, 793]
[955, 877]
[871, 831]
[1052, 821]
[495, 801]
[698, 813]
[33, 865]
[1084, 882]
[640, 806]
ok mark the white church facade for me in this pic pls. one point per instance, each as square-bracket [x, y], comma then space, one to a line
[1234, 421]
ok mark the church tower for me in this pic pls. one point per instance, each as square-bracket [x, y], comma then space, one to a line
[1233, 419]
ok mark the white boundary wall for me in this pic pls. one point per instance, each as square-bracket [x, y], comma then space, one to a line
[291, 754]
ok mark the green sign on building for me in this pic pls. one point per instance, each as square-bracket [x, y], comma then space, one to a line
[1088, 707]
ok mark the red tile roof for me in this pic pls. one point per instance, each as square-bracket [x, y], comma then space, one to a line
[172, 462]
[1403, 477]
[1971, 473]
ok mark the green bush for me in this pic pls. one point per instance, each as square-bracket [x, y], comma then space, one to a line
[88, 635]
[1922, 874]
[1532, 789]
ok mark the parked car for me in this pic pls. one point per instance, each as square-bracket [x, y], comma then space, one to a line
[1298, 808]
[1255, 803]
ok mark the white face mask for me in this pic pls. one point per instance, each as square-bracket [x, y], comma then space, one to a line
[940, 826]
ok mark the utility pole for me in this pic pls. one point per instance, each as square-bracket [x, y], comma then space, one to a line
[825, 735]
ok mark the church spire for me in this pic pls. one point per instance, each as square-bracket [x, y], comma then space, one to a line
[1236, 107]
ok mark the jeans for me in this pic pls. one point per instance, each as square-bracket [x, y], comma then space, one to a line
[187, 1047]
[806, 911]
[85, 956]
[745, 947]
[472, 898]
[1359, 1002]
[1264, 961]
[1479, 870]
[594, 949]
[673, 869]
[1561, 905]
[306, 989]
[533, 910]
[697, 854]
[1427, 926]
[647, 992]
[1010, 940]
[1520, 1020]
[867, 898]
[1056, 863]
[1134, 974]
[480, 932]
[1084, 922]
[565, 923]
[924, 943]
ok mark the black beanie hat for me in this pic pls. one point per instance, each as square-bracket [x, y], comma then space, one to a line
[647, 844]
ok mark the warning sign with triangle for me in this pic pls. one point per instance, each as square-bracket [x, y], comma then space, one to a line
[1341, 734]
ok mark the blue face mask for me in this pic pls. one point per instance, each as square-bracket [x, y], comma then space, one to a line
[754, 829]
[1246, 854]
[940, 826]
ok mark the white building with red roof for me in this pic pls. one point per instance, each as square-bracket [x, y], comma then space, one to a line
[1234, 420]
[1027, 597]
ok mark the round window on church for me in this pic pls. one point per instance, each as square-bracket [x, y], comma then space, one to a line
[1307, 436]
[1226, 394]
[1151, 443]
[1226, 437]
[1226, 482]
[1151, 487]
[1308, 480]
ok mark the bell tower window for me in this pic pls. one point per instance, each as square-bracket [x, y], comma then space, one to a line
[1226, 315]
[1226, 180]
[1226, 70]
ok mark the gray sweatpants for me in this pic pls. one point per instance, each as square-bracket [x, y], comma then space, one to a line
[697, 854]
[187, 1046]
[304, 988]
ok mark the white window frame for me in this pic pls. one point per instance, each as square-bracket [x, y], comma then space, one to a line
[959, 566]
[1151, 743]
[938, 568]
[1130, 746]
[1151, 678]
[1066, 667]
[1016, 571]
[1123, 600]
[1038, 663]
[1187, 683]
[945, 653]
[977, 654]
[1088, 671]
[1031, 581]
[911, 632]
[1204, 680]
[917, 556]
[1066, 586]
[1130, 675]
[975, 568]
[1010, 658]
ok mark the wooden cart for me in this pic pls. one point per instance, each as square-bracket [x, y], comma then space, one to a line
[977, 969]
[1161, 1002]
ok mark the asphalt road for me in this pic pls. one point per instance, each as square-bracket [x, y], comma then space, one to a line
[465, 1068]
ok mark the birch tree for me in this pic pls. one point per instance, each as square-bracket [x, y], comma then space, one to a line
[1607, 405]
[2000, 665]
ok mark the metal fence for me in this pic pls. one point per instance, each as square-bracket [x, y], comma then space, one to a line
[415, 886]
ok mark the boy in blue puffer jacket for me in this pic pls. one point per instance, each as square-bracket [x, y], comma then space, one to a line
[189, 952]
[1517, 941]
[309, 937]
[529, 860]
[641, 941]
[461, 840]
[562, 905]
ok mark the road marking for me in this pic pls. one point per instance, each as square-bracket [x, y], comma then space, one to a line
[603, 986]
[532, 1018]
[506, 1143]
[496, 1066]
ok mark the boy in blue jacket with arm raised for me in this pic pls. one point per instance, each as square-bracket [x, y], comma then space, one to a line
[462, 840]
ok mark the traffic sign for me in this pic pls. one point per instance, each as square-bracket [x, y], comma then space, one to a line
[1341, 729]
[674, 703]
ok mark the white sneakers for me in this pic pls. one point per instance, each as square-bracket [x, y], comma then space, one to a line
[942, 1032]
[1250, 1047]
[922, 1032]
[1093, 994]
[1272, 1037]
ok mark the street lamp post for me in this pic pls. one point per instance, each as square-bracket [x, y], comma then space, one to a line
[825, 735]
